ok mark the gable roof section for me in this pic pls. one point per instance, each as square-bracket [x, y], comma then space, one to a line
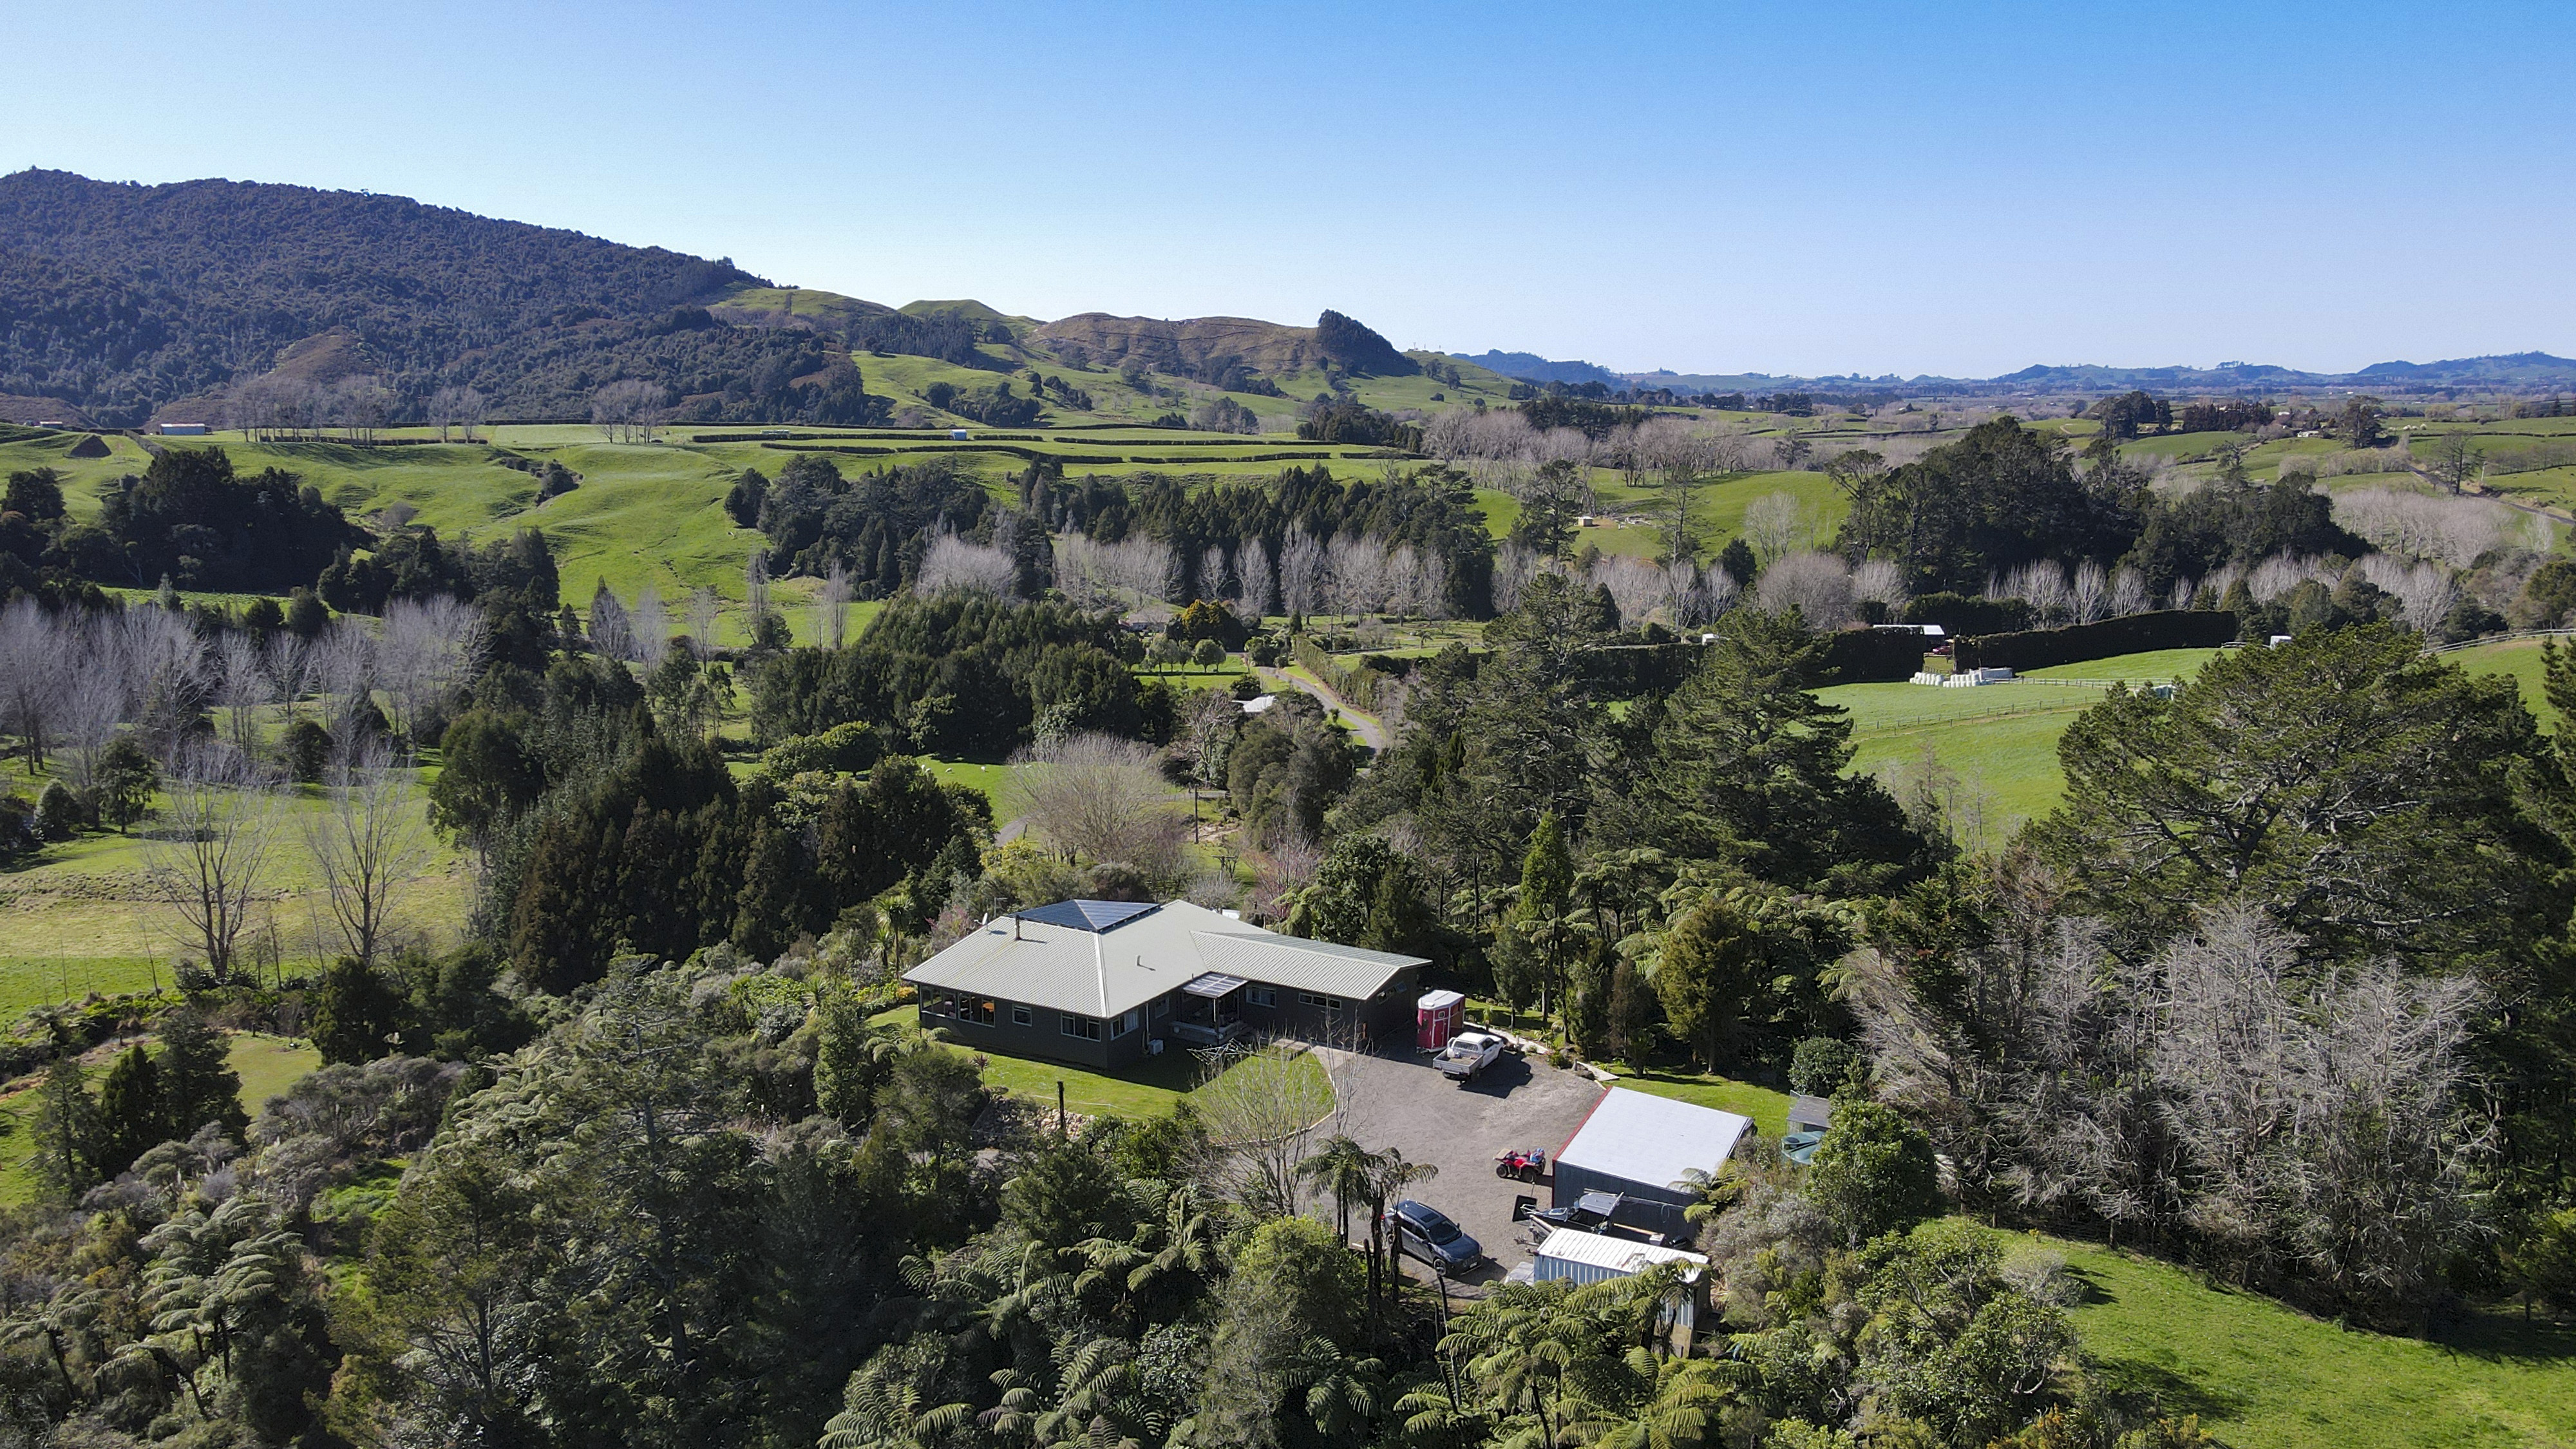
[1039, 959]
[1619, 1255]
[1651, 1140]
[1300, 965]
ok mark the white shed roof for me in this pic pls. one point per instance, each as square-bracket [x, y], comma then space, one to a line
[1132, 961]
[1651, 1140]
[1619, 1255]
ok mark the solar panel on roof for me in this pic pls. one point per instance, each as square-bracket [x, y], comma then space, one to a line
[1094, 916]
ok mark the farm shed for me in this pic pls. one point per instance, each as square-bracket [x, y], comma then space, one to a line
[1591, 1257]
[1640, 1146]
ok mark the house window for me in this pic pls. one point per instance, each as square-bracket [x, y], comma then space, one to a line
[1019, 1016]
[936, 1004]
[1127, 1022]
[1262, 995]
[1085, 1027]
[1329, 1003]
[1162, 1006]
[976, 1009]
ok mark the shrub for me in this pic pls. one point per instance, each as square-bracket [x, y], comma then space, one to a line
[844, 748]
[1821, 1065]
[1874, 1172]
[58, 812]
[306, 749]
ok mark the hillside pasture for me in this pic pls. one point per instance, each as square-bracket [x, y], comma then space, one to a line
[2264, 1376]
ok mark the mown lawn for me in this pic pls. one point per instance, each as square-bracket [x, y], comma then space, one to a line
[2520, 659]
[2001, 740]
[269, 1065]
[2262, 1376]
[1768, 1107]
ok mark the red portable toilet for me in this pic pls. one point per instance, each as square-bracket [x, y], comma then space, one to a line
[1435, 1019]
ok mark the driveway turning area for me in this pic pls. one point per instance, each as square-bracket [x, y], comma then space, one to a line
[1400, 1100]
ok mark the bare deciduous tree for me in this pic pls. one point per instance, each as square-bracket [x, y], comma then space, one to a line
[1778, 524]
[628, 410]
[953, 563]
[2425, 592]
[652, 627]
[209, 859]
[37, 659]
[610, 634]
[1880, 581]
[1263, 1106]
[2091, 593]
[1103, 799]
[832, 607]
[1134, 573]
[243, 684]
[366, 842]
[340, 668]
[2452, 530]
[1257, 578]
[2129, 593]
[1817, 585]
[702, 622]
[425, 651]
[1305, 574]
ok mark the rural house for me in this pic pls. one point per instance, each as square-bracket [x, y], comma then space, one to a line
[1103, 983]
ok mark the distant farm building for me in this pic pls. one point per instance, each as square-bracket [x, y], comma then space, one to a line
[183, 430]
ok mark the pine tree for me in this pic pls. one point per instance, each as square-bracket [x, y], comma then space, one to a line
[198, 1084]
[357, 1014]
[66, 1129]
[1533, 939]
[1706, 974]
[131, 1115]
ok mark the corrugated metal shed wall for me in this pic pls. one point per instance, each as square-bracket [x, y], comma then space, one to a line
[1650, 1205]
[1681, 1310]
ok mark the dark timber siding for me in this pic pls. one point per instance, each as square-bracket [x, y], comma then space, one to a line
[1044, 1036]
[1385, 1020]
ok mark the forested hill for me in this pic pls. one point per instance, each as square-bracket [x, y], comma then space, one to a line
[122, 298]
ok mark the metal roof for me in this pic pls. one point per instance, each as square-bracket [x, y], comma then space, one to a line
[1089, 915]
[1101, 972]
[1619, 1255]
[1214, 984]
[1651, 1140]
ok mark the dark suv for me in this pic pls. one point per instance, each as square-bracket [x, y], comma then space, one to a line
[1430, 1233]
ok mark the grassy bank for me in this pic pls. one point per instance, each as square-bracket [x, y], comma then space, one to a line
[2262, 1376]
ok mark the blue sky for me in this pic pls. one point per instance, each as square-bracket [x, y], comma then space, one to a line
[1961, 189]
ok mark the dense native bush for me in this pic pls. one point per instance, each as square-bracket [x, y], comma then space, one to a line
[191, 520]
[963, 672]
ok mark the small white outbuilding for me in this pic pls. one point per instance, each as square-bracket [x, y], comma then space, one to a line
[1592, 1257]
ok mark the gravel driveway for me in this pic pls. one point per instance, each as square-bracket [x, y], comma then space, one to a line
[1402, 1101]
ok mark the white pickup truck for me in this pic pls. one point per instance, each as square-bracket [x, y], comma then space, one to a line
[1468, 1053]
